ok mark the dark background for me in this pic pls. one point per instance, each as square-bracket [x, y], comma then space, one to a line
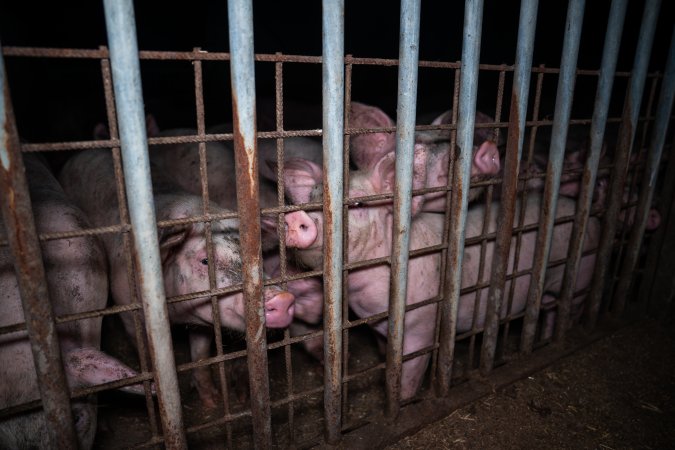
[62, 99]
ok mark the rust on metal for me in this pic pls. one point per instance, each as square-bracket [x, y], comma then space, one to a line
[30, 273]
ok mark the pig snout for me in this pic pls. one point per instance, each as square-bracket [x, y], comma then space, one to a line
[279, 309]
[301, 231]
[486, 159]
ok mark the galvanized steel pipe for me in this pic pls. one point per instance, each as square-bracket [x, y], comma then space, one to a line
[514, 146]
[121, 28]
[661, 122]
[405, 142]
[563, 110]
[626, 136]
[617, 15]
[240, 18]
[473, 20]
[333, 195]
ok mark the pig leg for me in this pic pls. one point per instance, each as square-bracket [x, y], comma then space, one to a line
[200, 348]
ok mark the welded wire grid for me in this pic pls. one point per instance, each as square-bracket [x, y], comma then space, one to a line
[290, 406]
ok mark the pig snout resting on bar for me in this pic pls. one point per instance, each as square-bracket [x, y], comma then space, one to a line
[370, 236]
[367, 149]
[89, 178]
[77, 282]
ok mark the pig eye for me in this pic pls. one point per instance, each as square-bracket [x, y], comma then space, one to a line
[205, 261]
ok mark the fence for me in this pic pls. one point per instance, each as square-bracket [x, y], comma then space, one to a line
[286, 413]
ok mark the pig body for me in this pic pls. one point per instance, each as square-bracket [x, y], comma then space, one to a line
[89, 178]
[76, 275]
[370, 236]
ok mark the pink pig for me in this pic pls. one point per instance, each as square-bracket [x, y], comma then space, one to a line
[89, 178]
[77, 282]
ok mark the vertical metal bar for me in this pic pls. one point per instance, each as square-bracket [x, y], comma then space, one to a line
[617, 14]
[405, 134]
[563, 110]
[120, 23]
[473, 20]
[654, 271]
[17, 212]
[514, 143]
[240, 17]
[626, 136]
[333, 194]
[658, 138]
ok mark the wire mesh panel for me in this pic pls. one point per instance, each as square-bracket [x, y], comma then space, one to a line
[322, 243]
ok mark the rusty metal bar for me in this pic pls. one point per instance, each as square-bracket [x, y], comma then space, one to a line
[626, 136]
[17, 213]
[610, 54]
[654, 270]
[563, 110]
[644, 203]
[240, 18]
[333, 193]
[473, 20]
[405, 135]
[519, 97]
[120, 25]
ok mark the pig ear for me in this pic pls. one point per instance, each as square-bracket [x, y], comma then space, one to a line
[90, 366]
[170, 238]
[384, 175]
[367, 149]
[300, 177]
[446, 117]
[151, 127]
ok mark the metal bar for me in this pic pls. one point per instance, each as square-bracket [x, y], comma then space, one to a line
[626, 136]
[120, 24]
[610, 54]
[17, 213]
[654, 270]
[333, 194]
[405, 135]
[473, 19]
[240, 17]
[514, 143]
[644, 203]
[563, 110]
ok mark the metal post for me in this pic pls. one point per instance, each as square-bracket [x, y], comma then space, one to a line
[514, 145]
[333, 194]
[658, 138]
[120, 23]
[473, 18]
[30, 273]
[626, 136]
[240, 17]
[617, 14]
[405, 135]
[563, 110]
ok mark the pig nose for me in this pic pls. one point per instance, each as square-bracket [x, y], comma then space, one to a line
[301, 230]
[279, 310]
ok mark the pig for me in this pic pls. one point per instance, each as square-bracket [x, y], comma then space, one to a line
[76, 275]
[181, 163]
[89, 178]
[367, 149]
[370, 236]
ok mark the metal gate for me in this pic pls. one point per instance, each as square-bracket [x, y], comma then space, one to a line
[327, 414]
